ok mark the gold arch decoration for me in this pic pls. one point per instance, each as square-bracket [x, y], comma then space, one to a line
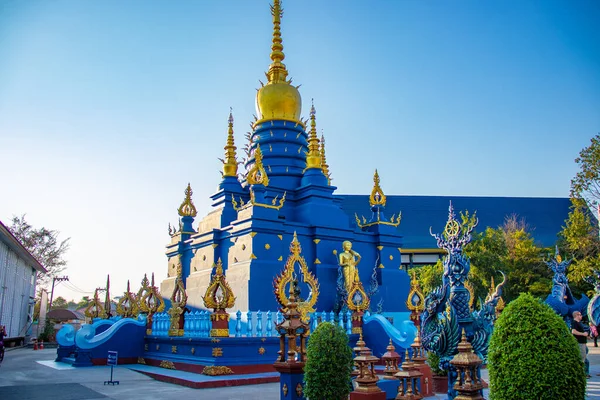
[178, 303]
[377, 198]
[257, 174]
[127, 307]
[95, 308]
[358, 300]
[152, 302]
[416, 298]
[187, 208]
[287, 276]
[143, 289]
[218, 294]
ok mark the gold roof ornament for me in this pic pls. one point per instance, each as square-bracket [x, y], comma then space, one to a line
[107, 303]
[377, 197]
[95, 308]
[128, 305]
[257, 174]
[416, 298]
[187, 208]
[324, 165]
[358, 300]
[287, 276]
[276, 203]
[278, 99]
[230, 163]
[218, 294]
[178, 303]
[151, 301]
[313, 158]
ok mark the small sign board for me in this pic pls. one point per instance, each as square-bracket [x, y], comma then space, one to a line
[113, 357]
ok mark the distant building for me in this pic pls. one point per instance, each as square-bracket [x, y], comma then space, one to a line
[18, 271]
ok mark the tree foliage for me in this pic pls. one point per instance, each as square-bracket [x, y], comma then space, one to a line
[579, 241]
[586, 183]
[533, 355]
[59, 302]
[44, 245]
[329, 364]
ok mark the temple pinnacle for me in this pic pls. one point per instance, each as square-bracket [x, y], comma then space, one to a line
[230, 163]
[324, 165]
[377, 197]
[187, 208]
[313, 158]
[277, 71]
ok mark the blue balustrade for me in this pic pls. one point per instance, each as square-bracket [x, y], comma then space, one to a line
[269, 331]
[259, 331]
[323, 316]
[238, 324]
[341, 320]
[349, 322]
[249, 331]
[332, 317]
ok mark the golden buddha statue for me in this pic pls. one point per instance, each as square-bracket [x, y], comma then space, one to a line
[349, 260]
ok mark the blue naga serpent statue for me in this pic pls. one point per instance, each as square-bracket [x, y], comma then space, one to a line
[593, 308]
[447, 310]
[561, 299]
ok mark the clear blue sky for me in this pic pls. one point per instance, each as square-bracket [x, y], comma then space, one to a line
[109, 108]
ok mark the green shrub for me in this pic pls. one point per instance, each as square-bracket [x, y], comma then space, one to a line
[434, 362]
[329, 364]
[48, 331]
[533, 355]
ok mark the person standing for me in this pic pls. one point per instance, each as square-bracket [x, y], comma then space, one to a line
[581, 335]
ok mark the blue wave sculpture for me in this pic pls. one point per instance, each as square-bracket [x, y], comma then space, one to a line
[378, 331]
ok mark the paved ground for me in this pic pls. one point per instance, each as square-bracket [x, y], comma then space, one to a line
[32, 375]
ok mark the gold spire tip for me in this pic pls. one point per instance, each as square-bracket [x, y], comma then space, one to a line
[187, 208]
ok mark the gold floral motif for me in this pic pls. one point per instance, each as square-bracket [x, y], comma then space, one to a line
[141, 360]
[219, 294]
[187, 208]
[215, 340]
[174, 349]
[274, 203]
[219, 332]
[214, 370]
[299, 389]
[261, 350]
[471, 291]
[149, 299]
[217, 351]
[267, 246]
[284, 389]
[286, 277]
[167, 364]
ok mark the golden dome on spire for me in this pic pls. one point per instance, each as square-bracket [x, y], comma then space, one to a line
[278, 99]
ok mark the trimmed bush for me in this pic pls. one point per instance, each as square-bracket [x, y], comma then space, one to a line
[533, 355]
[329, 364]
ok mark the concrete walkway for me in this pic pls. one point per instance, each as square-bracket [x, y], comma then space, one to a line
[33, 375]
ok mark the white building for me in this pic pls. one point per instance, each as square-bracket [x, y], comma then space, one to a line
[18, 271]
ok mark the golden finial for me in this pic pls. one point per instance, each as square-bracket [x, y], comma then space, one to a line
[257, 174]
[377, 197]
[295, 247]
[277, 71]
[492, 286]
[324, 165]
[313, 158]
[230, 163]
[187, 208]
[278, 99]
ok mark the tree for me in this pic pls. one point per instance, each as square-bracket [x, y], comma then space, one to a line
[84, 302]
[579, 241]
[533, 355]
[329, 364]
[59, 302]
[586, 183]
[44, 245]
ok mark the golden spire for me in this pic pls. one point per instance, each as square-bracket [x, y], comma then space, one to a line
[377, 197]
[277, 71]
[313, 158]
[230, 163]
[257, 174]
[324, 165]
[278, 99]
[187, 208]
